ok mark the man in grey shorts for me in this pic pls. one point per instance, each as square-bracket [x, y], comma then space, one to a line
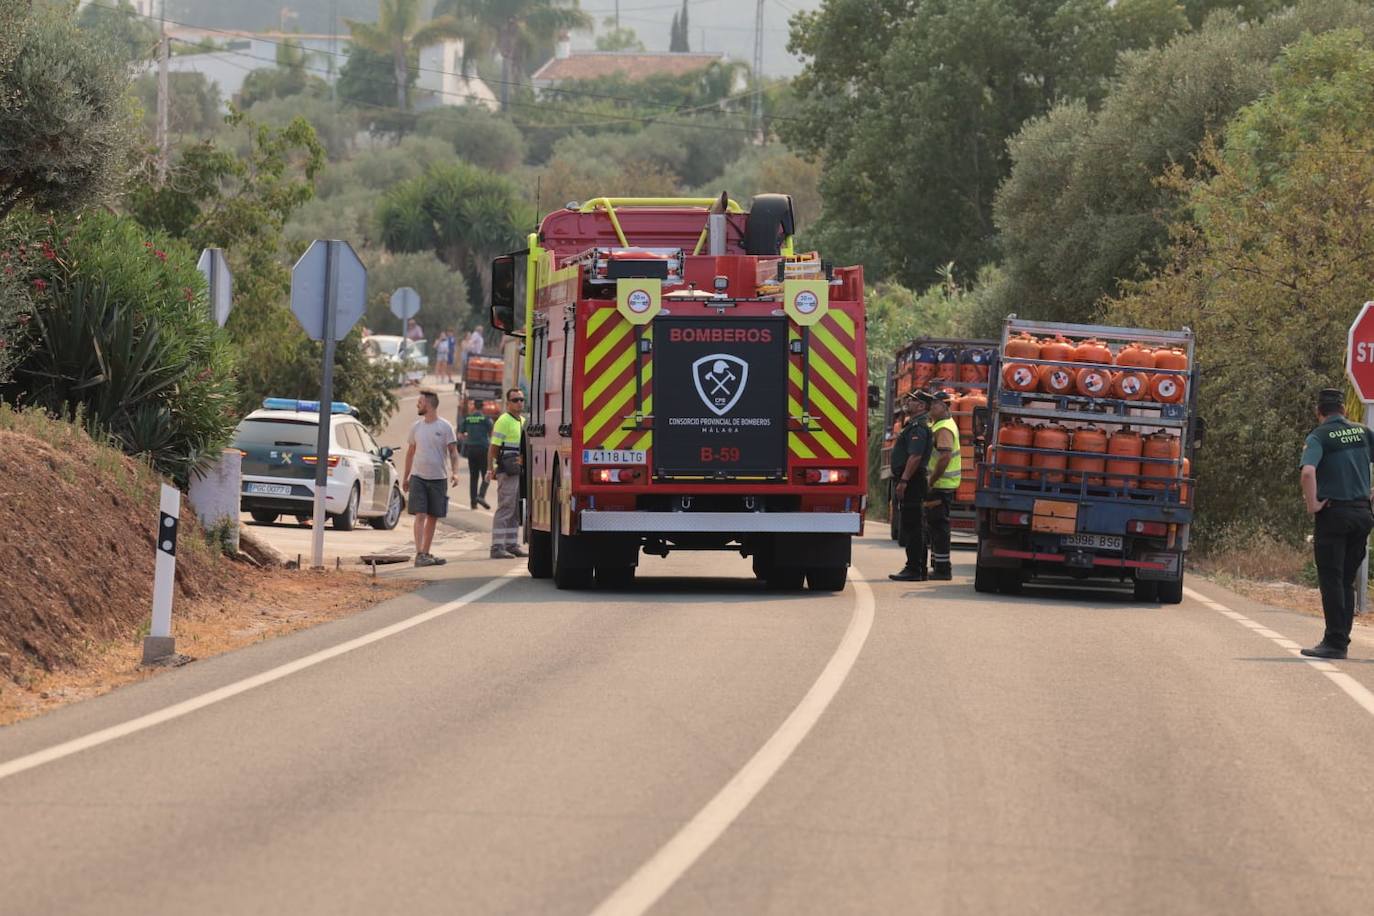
[431, 464]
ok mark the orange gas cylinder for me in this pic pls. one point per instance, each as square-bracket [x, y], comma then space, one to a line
[1159, 445]
[1131, 385]
[1057, 380]
[1015, 433]
[947, 364]
[1171, 358]
[1135, 356]
[1060, 348]
[924, 361]
[1021, 376]
[1052, 437]
[1022, 346]
[963, 413]
[1094, 382]
[1167, 389]
[1093, 351]
[1122, 447]
[1087, 439]
[1187, 471]
[968, 368]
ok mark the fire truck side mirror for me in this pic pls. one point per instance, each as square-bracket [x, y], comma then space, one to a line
[507, 293]
[874, 397]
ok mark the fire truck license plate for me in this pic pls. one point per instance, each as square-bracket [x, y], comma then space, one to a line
[613, 456]
[1096, 541]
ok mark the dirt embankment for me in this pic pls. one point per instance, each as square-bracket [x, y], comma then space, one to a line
[77, 522]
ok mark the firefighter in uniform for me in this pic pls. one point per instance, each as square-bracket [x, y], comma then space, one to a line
[1336, 488]
[910, 452]
[945, 474]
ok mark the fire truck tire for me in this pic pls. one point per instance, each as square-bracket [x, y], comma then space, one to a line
[614, 578]
[827, 578]
[564, 576]
[1171, 592]
[770, 221]
[785, 578]
[984, 579]
[541, 554]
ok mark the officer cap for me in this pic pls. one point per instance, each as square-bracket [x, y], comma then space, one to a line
[1331, 397]
[940, 395]
[921, 396]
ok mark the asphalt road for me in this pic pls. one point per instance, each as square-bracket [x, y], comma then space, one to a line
[700, 745]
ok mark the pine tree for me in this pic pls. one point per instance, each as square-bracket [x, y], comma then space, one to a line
[677, 33]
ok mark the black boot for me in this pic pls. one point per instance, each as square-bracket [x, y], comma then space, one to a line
[942, 574]
[908, 575]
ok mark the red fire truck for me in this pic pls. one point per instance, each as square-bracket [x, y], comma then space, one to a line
[693, 385]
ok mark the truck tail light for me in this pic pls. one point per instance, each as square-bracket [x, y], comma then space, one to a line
[312, 459]
[612, 475]
[1019, 519]
[826, 475]
[1151, 529]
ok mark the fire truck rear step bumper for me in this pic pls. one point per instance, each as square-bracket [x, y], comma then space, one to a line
[725, 522]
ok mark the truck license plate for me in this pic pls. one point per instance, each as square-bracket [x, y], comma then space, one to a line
[613, 456]
[1095, 541]
[269, 489]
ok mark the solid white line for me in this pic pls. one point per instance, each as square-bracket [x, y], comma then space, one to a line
[177, 710]
[656, 876]
[1353, 688]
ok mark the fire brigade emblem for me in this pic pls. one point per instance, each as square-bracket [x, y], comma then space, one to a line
[720, 379]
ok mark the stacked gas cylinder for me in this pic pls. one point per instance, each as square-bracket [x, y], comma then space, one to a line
[1087, 371]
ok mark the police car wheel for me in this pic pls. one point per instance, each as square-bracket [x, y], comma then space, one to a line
[393, 512]
[348, 518]
[264, 517]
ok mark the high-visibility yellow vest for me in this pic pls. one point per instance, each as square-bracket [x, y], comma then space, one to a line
[953, 474]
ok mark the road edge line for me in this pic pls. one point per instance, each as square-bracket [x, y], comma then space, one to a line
[185, 707]
[655, 877]
[1352, 688]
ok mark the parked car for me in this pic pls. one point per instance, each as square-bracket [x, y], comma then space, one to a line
[409, 359]
[278, 447]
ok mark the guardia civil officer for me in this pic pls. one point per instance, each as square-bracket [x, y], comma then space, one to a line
[946, 471]
[910, 452]
[1336, 488]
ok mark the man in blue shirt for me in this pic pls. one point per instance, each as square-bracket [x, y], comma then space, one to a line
[1336, 488]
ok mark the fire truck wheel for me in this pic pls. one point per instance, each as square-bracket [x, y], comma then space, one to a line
[984, 579]
[564, 576]
[541, 555]
[615, 577]
[827, 578]
[1171, 592]
[785, 578]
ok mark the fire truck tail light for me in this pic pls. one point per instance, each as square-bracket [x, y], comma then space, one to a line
[1020, 519]
[1151, 529]
[826, 475]
[612, 475]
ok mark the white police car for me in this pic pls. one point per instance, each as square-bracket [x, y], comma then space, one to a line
[278, 448]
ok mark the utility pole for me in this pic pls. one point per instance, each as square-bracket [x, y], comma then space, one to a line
[617, 15]
[758, 72]
[163, 100]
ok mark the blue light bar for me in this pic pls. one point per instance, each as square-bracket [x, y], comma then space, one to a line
[303, 406]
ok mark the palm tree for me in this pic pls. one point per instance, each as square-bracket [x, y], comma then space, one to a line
[513, 28]
[398, 32]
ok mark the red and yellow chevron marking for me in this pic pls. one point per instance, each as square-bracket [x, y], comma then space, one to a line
[832, 374]
[608, 367]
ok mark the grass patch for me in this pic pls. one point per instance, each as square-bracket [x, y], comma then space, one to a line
[1258, 557]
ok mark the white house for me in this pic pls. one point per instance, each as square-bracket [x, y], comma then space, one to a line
[441, 80]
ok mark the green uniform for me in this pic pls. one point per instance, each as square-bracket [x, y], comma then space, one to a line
[1341, 452]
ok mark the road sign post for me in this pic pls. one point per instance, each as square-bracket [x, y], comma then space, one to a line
[1359, 366]
[405, 304]
[219, 282]
[328, 295]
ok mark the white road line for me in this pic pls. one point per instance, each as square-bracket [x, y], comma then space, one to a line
[1353, 688]
[656, 876]
[177, 710]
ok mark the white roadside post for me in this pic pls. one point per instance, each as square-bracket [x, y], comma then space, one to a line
[1359, 367]
[328, 295]
[159, 644]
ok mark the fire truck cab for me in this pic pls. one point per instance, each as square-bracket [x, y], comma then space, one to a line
[693, 384]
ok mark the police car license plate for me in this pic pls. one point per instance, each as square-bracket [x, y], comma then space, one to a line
[269, 489]
[613, 456]
[1095, 541]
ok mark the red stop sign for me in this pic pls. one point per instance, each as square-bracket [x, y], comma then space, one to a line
[1359, 358]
